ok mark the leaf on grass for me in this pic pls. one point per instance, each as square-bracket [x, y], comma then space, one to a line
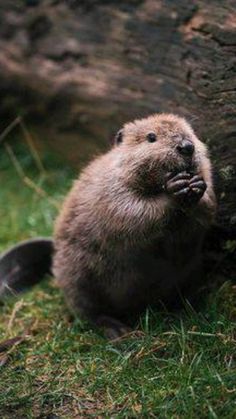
[5, 345]
[3, 360]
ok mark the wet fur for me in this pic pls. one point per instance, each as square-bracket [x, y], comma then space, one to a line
[121, 241]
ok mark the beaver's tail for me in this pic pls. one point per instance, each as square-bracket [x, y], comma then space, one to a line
[25, 264]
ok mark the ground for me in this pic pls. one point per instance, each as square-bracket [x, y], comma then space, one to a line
[180, 365]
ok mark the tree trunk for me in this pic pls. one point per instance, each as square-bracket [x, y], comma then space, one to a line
[83, 67]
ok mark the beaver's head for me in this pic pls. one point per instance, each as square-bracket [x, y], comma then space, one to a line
[156, 145]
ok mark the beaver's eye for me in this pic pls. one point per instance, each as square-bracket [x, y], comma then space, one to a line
[119, 137]
[151, 137]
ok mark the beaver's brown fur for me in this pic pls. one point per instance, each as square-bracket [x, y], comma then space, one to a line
[131, 229]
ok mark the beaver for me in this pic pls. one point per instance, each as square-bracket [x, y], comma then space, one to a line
[131, 230]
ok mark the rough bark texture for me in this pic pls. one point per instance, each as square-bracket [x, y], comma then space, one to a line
[80, 68]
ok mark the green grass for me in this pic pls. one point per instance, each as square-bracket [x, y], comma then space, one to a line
[180, 365]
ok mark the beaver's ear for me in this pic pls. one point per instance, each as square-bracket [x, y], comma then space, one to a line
[119, 137]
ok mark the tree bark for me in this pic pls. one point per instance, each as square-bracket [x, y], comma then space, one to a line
[81, 68]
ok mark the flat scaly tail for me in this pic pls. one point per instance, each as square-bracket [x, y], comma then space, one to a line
[24, 265]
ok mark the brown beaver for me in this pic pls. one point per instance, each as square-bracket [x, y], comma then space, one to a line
[131, 229]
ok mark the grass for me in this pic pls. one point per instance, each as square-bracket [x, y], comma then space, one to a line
[180, 365]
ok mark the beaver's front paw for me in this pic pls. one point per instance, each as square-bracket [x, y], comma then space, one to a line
[178, 185]
[185, 188]
[197, 187]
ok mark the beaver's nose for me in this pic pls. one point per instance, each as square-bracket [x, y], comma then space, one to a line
[186, 148]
